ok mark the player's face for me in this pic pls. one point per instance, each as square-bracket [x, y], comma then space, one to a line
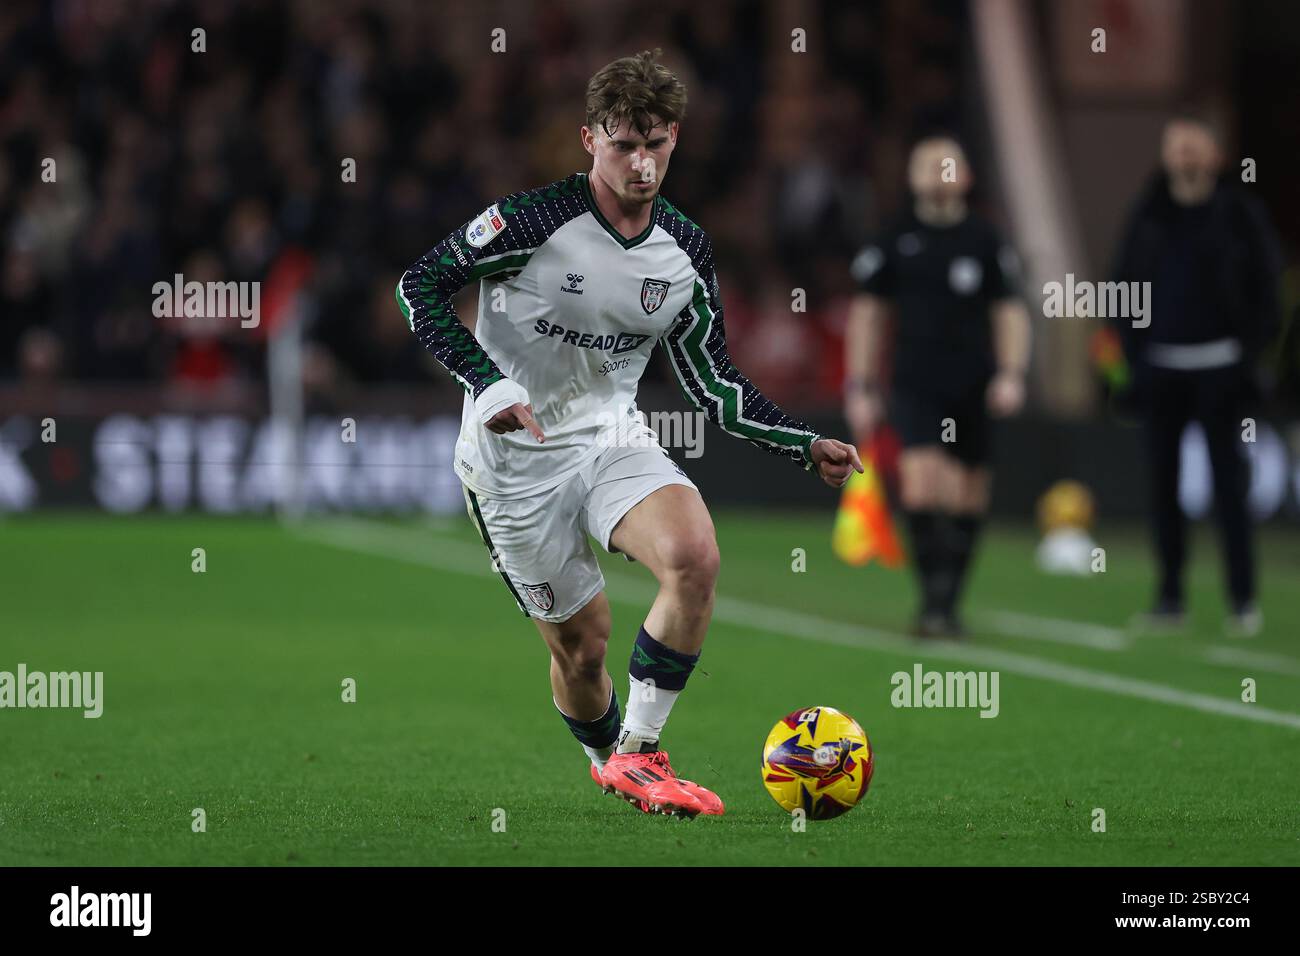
[1188, 151]
[632, 165]
[938, 170]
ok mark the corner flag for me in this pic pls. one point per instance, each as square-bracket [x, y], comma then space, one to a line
[863, 528]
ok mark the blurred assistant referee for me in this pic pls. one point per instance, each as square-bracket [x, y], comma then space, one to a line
[1213, 263]
[960, 352]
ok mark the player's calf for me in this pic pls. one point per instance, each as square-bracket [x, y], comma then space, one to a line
[583, 693]
[687, 571]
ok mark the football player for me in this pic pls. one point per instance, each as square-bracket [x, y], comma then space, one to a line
[579, 281]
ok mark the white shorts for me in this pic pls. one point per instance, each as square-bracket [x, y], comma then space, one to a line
[539, 544]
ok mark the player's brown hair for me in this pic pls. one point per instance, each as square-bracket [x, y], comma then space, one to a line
[634, 88]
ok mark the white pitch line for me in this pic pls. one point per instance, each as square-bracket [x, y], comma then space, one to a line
[1236, 657]
[1055, 630]
[805, 627]
[1060, 631]
[382, 540]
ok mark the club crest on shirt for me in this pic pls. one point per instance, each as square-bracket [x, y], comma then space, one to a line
[653, 293]
[541, 595]
[484, 227]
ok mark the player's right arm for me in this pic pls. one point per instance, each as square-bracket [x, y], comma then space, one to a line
[485, 246]
[864, 408]
[863, 336]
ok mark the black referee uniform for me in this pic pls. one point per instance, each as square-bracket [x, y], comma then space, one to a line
[942, 281]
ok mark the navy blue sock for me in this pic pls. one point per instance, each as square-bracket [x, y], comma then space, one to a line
[598, 734]
[656, 663]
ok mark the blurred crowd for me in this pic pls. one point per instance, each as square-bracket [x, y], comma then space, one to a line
[227, 164]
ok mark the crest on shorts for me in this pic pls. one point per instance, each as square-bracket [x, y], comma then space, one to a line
[653, 293]
[541, 595]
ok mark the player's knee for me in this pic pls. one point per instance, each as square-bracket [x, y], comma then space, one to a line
[691, 563]
[588, 665]
[581, 657]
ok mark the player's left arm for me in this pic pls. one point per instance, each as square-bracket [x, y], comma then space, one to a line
[697, 348]
[1006, 393]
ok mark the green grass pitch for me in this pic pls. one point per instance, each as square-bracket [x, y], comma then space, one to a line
[222, 690]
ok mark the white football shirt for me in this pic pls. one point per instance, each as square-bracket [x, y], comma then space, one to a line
[571, 310]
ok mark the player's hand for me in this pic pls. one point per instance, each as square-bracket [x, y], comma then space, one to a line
[864, 411]
[1006, 394]
[504, 406]
[835, 461]
[514, 417]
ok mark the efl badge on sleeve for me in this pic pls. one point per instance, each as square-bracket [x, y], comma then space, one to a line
[485, 227]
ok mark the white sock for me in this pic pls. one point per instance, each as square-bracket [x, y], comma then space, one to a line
[599, 755]
[647, 711]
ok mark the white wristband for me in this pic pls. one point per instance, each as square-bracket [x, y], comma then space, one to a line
[499, 395]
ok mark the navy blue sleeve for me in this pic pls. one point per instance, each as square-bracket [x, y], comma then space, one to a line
[498, 241]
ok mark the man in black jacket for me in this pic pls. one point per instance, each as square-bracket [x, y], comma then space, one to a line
[1213, 263]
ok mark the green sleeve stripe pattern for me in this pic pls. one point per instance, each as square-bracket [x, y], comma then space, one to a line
[697, 347]
[728, 389]
[497, 264]
[425, 291]
[405, 306]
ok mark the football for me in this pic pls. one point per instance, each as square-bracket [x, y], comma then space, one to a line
[817, 760]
